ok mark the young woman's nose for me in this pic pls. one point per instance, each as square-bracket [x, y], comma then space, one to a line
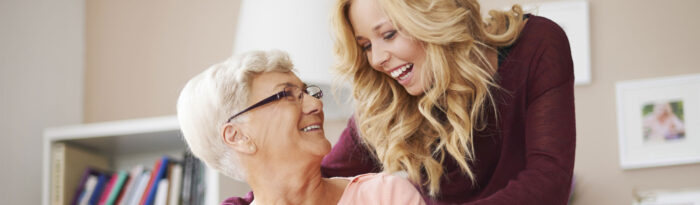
[379, 57]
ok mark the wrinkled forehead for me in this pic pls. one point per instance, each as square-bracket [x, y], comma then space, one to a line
[266, 84]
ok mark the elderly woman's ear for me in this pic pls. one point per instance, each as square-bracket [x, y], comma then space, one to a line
[234, 138]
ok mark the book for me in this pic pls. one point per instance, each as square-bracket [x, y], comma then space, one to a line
[83, 181]
[161, 197]
[89, 188]
[134, 176]
[198, 183]
[144, 195]
[193, 184]
[161, 173]
[169, 176]
[185, 196]
[108, 189]
[99, 188]
[135, 196]
[68, 163]
[117, 188]
[175, 184]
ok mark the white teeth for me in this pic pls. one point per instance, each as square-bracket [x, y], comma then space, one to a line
[312, 127]
[396, 73]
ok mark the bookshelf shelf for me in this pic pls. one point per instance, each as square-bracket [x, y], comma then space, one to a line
[136, 143]
[125, 143]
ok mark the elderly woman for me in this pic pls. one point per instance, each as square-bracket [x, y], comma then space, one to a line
[252, 119]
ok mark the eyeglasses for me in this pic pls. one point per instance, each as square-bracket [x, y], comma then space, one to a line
[291, 93]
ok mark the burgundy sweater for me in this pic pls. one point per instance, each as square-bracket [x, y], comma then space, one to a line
[526, 154]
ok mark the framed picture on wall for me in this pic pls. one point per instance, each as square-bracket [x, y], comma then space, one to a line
[667, 197]
[659, 121]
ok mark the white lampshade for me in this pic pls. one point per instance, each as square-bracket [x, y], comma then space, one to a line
[299, 27]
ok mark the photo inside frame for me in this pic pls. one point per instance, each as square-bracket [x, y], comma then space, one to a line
[663, 121]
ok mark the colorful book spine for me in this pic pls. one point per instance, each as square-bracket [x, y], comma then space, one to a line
[101, 183]
[144, 195]
[117, 188]
[89, 188]
[108, 189]
[82, 184]
[185, 197]
[161, 197]
[162, 171]
[140, 186]
[175, 184]
[198, 182]
[135, 197]
[134, 177]
[68, 165]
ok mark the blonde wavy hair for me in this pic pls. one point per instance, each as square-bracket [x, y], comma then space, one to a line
[415, 133]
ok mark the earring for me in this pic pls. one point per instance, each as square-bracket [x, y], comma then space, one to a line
[252, 148]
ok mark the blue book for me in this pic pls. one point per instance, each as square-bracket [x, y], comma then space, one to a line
[80, 191]
[101, 183]
[162, 171]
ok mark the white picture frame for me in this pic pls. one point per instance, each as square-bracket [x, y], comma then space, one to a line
[668, 197]
[573, 17]
[659, 121]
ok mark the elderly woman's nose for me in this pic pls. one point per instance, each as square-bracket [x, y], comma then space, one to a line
[311, 104]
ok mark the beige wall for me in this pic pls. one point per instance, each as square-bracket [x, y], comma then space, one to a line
[139, 54]
[41, 85]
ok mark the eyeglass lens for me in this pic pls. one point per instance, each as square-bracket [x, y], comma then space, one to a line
[295, 93]
[314, 92]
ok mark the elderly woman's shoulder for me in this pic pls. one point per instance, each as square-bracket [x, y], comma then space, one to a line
[380, 188]
[381, 178]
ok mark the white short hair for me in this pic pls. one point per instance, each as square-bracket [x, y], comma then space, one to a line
[211, 97]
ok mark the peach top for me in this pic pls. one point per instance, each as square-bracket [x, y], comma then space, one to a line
[379, 188]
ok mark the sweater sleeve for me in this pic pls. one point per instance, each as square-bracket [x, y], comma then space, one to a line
[239, 200]
[550, 130]
[349, 157]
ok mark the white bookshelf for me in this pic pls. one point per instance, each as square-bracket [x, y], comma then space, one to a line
[126, 143]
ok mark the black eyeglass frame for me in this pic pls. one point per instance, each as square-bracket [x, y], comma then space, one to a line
[280, 95]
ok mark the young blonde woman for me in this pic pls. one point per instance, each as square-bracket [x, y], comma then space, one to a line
[474, 111]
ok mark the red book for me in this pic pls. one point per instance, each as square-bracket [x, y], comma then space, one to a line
[108, 189]
[156, 168]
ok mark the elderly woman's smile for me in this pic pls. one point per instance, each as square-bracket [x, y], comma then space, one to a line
[311, 128]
